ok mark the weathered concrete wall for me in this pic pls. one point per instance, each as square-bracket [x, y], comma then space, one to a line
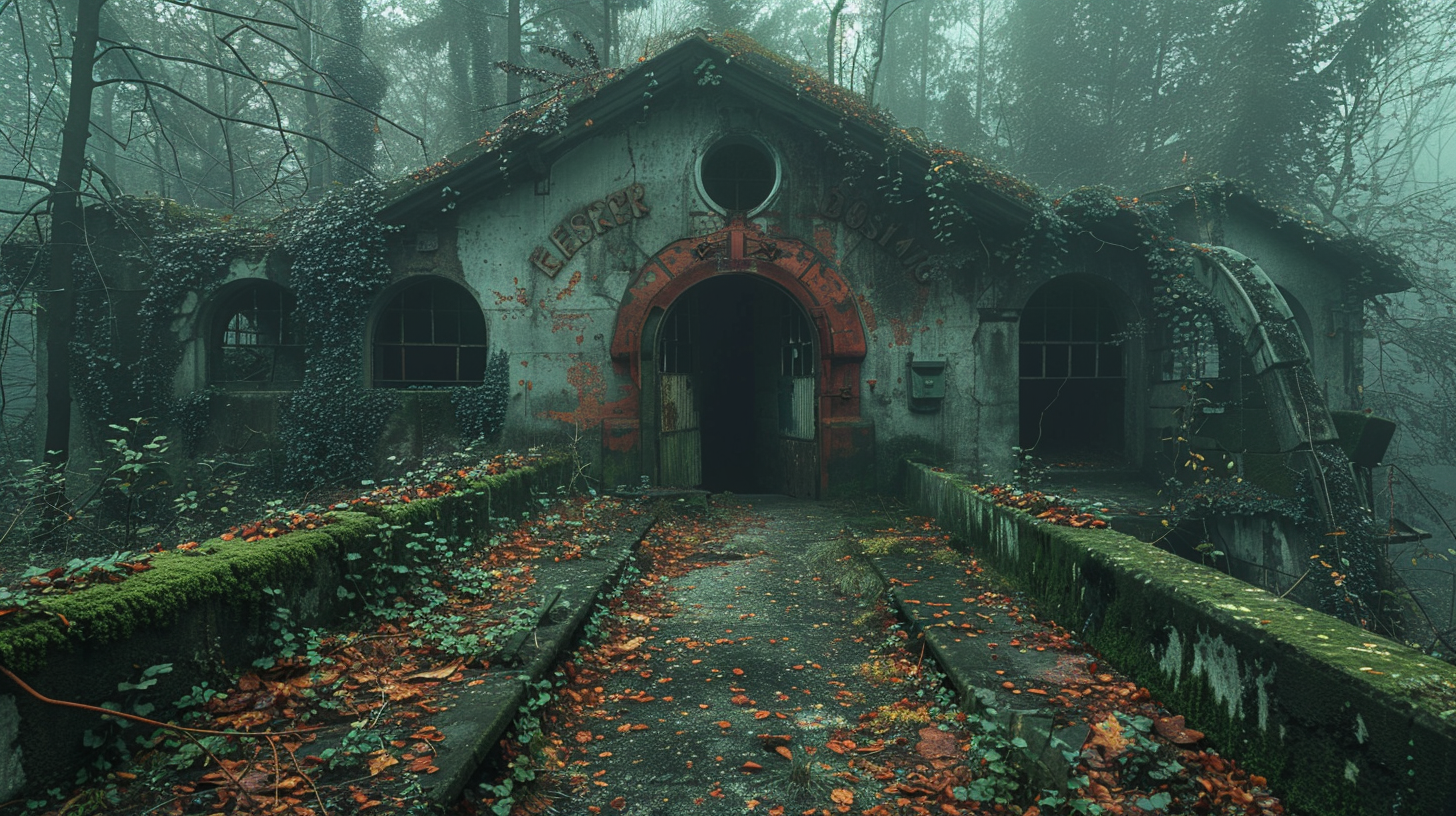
[557, 319]
[558, 329]
[205, 612]
[1332, 320]
[1341, 721]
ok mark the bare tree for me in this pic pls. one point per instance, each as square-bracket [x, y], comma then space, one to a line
[252, 80]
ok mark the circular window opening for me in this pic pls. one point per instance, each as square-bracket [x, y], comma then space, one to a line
[739, 176]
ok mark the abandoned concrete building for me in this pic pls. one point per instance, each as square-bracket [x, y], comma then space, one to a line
[716, 270]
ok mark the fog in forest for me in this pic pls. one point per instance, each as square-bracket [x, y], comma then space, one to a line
[1340, 112]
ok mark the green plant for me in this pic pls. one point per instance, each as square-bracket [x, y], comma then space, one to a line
[328, 426]
[107, 742]
[1146, 762]
[481, 410]
[806, 778]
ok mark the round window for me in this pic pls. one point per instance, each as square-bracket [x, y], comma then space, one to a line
[738, 175]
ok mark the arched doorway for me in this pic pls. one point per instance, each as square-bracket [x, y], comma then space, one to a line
[773, 270]
[735, 385]
[1073, 372]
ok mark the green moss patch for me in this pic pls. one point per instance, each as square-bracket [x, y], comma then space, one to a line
[1340, 720]
[236, 572]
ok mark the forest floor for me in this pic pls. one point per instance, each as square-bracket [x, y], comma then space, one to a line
[747, 662]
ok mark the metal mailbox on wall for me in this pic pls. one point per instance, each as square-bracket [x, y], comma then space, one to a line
[927, 385]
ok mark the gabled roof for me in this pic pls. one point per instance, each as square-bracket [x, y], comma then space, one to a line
[1382, 269]
[530, 140]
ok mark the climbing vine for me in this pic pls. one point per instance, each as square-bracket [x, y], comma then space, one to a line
[181, 253]
[329, 425]
[481, 410]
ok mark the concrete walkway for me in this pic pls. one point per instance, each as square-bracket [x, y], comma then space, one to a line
[761, 654]
[733, 676]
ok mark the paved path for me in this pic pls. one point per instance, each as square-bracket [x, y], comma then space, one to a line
[759, 645]
[734, 677]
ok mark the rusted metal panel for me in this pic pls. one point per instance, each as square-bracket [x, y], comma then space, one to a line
[681, 450]
[801, 468]
[796, 417]
[679, 407]
[682, 459]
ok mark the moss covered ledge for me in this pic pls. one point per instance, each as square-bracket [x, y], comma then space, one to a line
[234, 571]
[1342, 721]
[206, 612]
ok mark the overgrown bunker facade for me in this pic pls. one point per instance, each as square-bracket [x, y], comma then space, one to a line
[716, 270]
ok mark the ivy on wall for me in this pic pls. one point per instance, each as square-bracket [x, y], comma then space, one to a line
[329, 425]
[481, 410]
[176, 253]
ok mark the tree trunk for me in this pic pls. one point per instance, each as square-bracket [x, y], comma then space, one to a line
[314, 156]
[874, 77]
[980, 63]
[833, 43]
[513, 50]
[67, 233]
[482, 89]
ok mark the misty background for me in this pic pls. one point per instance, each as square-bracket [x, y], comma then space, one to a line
[1343, 111]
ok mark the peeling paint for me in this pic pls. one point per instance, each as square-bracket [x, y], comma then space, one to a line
[570, 287]
[1172, 660]
[591, 398]
[520, 295]
[1218, 663]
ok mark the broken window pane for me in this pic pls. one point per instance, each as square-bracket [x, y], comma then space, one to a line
[254, 342]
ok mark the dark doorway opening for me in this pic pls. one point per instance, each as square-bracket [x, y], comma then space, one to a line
[1073, 380]
[736, 371]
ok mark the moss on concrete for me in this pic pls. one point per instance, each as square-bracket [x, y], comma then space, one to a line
[232, 571]
[236, 572]
[1340, 720]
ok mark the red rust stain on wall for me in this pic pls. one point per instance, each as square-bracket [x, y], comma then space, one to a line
[519, 296]
[824, 242]
[571, 321]
[922, 294]
[902, 332]
[570, 287]
[591, 398]
[621, 436]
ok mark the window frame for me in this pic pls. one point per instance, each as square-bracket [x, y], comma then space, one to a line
[421, 332]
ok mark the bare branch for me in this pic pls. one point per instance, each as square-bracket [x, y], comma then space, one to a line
[234, 119]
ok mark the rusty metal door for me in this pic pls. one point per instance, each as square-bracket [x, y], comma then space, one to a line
[680, 452]
[798, 445]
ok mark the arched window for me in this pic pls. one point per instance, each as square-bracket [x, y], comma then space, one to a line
[255, 340]
[431, 333]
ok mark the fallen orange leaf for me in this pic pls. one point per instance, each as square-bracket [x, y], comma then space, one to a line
[379, 761]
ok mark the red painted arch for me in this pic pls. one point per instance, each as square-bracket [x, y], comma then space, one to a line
[806, 275]
[812, 280]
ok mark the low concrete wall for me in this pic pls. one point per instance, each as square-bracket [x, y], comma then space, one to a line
[206, 612]
[1340, 720]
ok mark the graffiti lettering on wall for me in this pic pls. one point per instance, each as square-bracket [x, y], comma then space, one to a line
[854, 212]
[583, 226]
